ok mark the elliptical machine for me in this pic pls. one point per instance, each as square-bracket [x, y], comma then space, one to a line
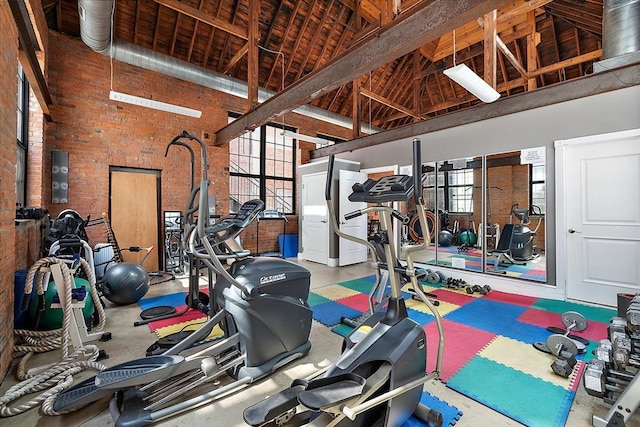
[522, 242]
[258, 302]
[378, 379]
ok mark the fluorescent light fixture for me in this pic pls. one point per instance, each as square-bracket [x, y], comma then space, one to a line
[156, 105]
[469, 80]
[316, 140]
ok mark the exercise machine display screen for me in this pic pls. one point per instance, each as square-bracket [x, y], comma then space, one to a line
[393, 188]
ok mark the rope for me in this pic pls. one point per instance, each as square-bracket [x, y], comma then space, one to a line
[58, 377]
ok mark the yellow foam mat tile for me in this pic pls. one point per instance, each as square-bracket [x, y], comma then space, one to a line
[335, 292]
[523, 357]
[444, 308]
[190, 325]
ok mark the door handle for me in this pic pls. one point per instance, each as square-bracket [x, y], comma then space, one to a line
[324, 221]
[571, 231]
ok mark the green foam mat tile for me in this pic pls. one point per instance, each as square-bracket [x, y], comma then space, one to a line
[526, 399]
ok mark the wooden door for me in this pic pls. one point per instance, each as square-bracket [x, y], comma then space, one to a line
[601, 222]
[134, 213]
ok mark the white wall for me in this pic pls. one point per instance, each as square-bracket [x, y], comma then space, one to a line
[607, 112]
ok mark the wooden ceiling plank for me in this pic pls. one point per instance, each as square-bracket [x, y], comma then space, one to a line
[332, 29]
[156, 31]
[576, 35]
[556, 49]
[204, 17]
[135, 24]
[594, 31]
[299, 39]
[205, 59]
[288, 28]
[405, 34]
[227, 37]
[314, 39]
[253, 64]
[403, 93]
[193, 36]
[175, 34]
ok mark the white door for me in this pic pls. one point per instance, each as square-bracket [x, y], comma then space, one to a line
[601, 190]
[315, 227]
[351, 252]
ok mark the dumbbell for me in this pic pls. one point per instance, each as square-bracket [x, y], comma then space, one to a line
[564, 363]
[573, 321]
[480, 289]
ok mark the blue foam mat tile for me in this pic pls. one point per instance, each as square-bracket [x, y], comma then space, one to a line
[490, 316]
[329, 313]
[450, 414]
[175, 300]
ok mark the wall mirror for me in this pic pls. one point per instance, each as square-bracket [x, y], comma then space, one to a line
[514, 231]
[507, 237]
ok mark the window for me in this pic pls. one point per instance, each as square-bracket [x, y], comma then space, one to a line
[262, 166]
[537, 187]
[21, 137]
[459, 185]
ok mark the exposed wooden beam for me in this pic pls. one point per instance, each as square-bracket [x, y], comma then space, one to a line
[490, 52]
[253, 64]
[389, 103]
[237, 57]
[194, 13]
[28, 57]
[289, 26]
[580, 59]
[592, 84]
[533, 40]
[511, 57]
[408, 32]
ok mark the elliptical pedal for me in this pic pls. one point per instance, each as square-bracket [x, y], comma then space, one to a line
[80, 395]
[274, 406]
[326, 392]
[137, 372]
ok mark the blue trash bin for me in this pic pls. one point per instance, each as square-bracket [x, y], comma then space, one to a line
[20, 318]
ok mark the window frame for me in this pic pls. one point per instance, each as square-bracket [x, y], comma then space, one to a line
[262, 177]
[22, 134]
[533, 182]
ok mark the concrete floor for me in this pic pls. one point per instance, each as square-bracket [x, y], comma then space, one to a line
[131, 342]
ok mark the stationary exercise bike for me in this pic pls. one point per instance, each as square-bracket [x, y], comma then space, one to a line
[261, 307]
[378, 379]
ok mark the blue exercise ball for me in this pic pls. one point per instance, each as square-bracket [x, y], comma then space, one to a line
[125, 283]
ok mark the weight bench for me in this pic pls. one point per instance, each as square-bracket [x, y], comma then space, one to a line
[503, 250]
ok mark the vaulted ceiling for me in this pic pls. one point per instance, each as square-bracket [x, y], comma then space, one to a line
[538, 43]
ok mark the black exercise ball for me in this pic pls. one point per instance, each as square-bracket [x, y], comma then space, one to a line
[125, 283]
[445, 238]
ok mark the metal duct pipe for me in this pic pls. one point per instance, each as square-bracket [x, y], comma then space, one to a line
[620, 27]
[95, 31]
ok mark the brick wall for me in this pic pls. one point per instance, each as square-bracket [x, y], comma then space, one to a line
[8, 106]
[98, 133]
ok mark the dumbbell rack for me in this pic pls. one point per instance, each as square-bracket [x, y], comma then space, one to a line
[612, 374]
